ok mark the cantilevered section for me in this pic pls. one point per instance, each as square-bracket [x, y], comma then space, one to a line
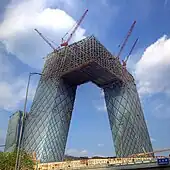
[48, 122]
[86, 60]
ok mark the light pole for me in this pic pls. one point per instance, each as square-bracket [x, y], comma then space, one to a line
[17, 163]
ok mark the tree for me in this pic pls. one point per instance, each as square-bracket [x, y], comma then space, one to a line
[27, 161]
[8, 159]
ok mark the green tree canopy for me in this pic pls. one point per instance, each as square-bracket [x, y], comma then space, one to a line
[8, 159]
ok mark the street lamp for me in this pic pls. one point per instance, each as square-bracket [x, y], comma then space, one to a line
[17, 164]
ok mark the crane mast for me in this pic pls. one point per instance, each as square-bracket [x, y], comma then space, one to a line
[69, 38]
[74, 30]
[124, 62]
[126, 39]
[130, 52]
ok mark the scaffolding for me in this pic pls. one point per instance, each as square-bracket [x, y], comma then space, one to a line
[87, 56]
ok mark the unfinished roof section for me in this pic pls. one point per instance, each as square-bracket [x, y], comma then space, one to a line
[83, 61]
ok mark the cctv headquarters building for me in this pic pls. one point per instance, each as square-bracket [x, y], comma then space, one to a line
[47, 124]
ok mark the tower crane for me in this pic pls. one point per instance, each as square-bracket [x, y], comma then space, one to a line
[126, 39]
[41, 35]
[124, 62]
[64, 44]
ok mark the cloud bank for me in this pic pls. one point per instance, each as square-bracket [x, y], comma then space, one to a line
[76, 152]
[152, 70]
[17, 29]
[20, 40]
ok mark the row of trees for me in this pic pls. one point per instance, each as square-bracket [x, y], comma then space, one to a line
[8, 159]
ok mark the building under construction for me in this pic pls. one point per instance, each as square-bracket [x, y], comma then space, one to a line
[47, 124]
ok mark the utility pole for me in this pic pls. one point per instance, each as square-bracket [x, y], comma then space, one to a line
[17, 163]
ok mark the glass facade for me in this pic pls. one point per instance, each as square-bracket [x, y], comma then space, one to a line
[47, 124]
[129, 130]
[13, 131]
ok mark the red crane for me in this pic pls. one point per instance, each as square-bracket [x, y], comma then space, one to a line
[64, 44]
[126, 39]
[130, 52]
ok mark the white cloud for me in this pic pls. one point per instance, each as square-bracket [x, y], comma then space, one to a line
[18, 37]
[104, 2]
[100, 104]
[152, 70]
[84, 152]
[16, 31]
[100, 145]
[161, 108]
[13, 94]
[12, 87]
[75, 152]
[152, 74]
[5, 65]
[101, 107]
[133, 59]
[153, 140]
[102, 93]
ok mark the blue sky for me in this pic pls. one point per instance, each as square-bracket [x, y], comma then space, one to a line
[22, 50]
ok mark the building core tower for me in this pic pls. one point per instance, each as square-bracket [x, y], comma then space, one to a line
[47, 124]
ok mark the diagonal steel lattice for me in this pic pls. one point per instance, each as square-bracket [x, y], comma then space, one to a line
[47, 124]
